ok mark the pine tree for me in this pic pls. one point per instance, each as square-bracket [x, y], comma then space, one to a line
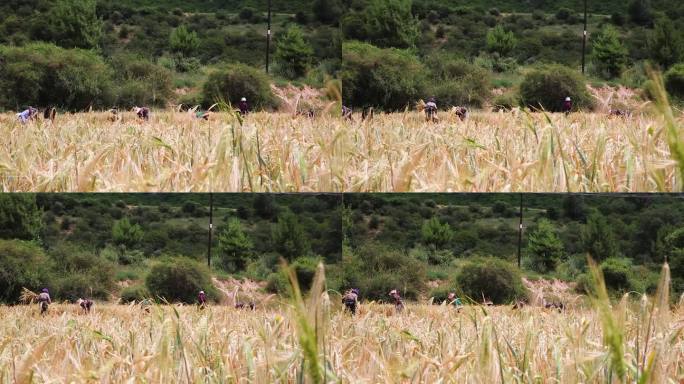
[234, 247]
[293, 53]
[544, 247]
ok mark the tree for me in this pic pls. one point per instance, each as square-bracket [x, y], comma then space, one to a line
[609, 53]
[674, 81]
[598, 238]
[73, 24]
[388, 78]
[19, 216]
[544, 248]
[183, 41]
[327, 11]
[234, 247]
[390, 23]
[289, 238]
[501, 41]
[293, 54]
[126, 234]
[179, 279]
[665, 43]
[640, 12]
[436, 234]
[674, 249]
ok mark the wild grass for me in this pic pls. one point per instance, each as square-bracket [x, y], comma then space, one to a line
[311, 340]
[393, 152]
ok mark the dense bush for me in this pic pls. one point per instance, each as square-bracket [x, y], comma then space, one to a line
[453, 81]
[80, 273]
[548, 86]
[674, 81]
[389, 78]
[618, 275]
[377, 269]
[41, 74]
[235, 81]
[141, 82]
[22, 264]
[19, 216]
[495, 279]
[179, 279]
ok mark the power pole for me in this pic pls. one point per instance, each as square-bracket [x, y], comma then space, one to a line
[520, 228]
[211, 227]
[268, 35]
[584, 37]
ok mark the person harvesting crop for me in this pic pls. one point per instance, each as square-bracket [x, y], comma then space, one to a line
[27, 115]
[398, 303]
[431, 110]
[243, 106]
[202, 299]
[567, 106]
[452, 299]
[351, 300]
[44, 301]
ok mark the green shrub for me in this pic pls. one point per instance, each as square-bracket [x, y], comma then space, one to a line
[377, 269]
[305, 269]
[495, 279]
[80, 273]
[674, 81]
[179, 279]
[22, 264]
[548, 86]
[457, 82]
[235, 81]
[134, 293]
[278, 282]
[141, 82]
[42, 74]
[371, 76]
[618, 275]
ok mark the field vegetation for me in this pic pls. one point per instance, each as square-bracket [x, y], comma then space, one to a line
[312, 340]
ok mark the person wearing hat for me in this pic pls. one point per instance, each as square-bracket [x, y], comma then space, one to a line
[567, 105]
[243, 106]
[398, 303]
[431, 110]
[44, 300]
[202, 298]
[351, 300]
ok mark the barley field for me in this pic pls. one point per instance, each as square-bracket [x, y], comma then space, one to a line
[489, 152]
[638, 339]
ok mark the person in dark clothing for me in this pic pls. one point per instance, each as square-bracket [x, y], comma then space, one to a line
[243, 106]
[85, 304]
[351, 300]
[142, 113]
[431, 110]
[398, 303]
[44, 301]
[567, 106]
[50, 114]
[202, 299]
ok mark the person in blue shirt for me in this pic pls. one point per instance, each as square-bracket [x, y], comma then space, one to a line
[28, 114]
[455, 301]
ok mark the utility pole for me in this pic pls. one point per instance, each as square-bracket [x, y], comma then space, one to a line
[520, 228]
[211, 227]
[268, 35]
[584, 37]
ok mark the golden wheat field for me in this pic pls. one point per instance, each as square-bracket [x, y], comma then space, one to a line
[116, 344]
[638, 339]
[392, 152]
